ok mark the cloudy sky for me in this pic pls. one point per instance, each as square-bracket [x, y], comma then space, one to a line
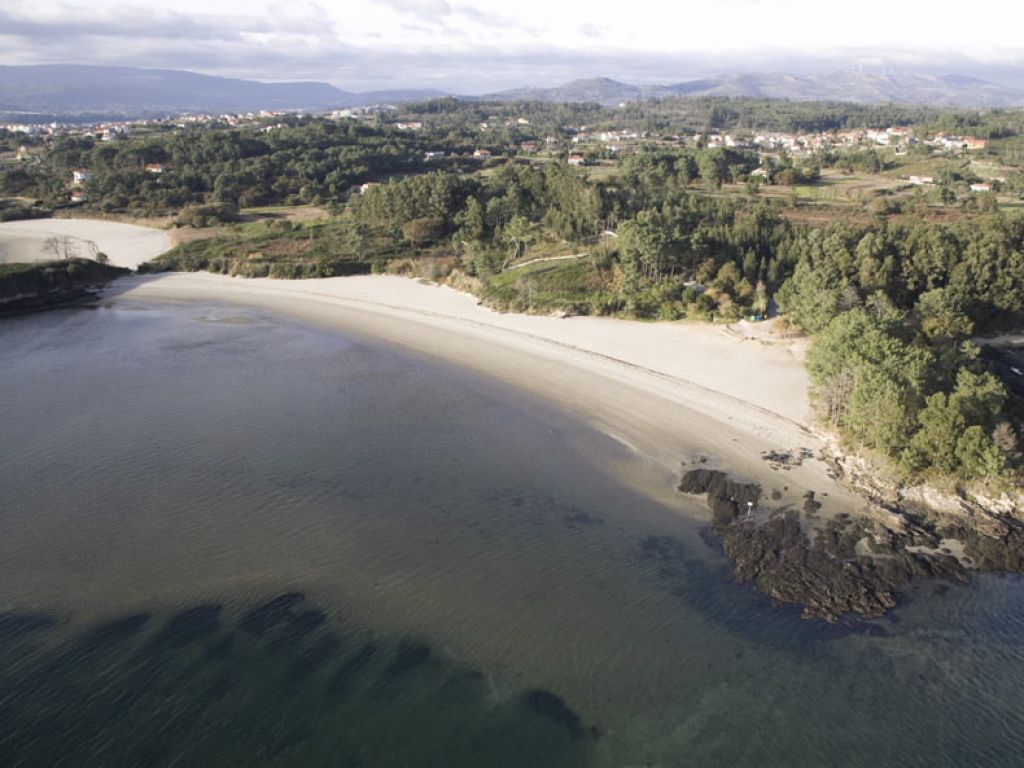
[477, 46]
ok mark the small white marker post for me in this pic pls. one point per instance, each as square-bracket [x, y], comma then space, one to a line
[750, 508]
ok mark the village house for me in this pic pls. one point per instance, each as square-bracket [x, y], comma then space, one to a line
[482, 153]
[775, 141]
[155, 168]
[981, 187]
[22, 128]
[735, 142]
[618, 135]
[576, 159]
[850, 137]
[815, 141]
[433, 156]
[950, 143]
[78, 196]
[81, 175]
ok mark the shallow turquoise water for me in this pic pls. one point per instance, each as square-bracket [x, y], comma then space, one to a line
[231, 540]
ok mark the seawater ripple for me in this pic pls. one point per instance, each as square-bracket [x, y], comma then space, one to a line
[254, 543]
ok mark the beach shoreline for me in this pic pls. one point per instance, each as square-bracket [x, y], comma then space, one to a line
[673, 394]
[125, 245]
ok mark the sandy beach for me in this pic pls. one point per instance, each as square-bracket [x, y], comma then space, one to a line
[127, 245]
[667, 392]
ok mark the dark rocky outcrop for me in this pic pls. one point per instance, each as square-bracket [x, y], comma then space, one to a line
[824, 570]
[726, 497]
[34, 287]
[1004, 552]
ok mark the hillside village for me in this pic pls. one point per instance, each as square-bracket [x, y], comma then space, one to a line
[911, 154]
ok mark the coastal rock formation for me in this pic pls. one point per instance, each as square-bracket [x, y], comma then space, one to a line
[844, 566]
[32, 287]
[991, 529]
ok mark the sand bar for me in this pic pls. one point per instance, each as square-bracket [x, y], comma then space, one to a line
[127, 245]
[665, 391]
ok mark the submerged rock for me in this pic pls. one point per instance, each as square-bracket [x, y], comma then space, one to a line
[410, 654]
[273, 612]
[548, 705]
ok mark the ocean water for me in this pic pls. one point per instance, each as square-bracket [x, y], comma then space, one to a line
[232, 540]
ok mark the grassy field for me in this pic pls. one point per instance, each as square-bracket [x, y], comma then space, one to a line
[296, 213]
[599, 172]
[553, 285]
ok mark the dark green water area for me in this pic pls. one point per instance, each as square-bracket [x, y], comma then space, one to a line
[231, 540]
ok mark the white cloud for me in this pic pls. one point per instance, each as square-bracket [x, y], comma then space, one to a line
[420, 7]
[478, 44]
[642, 25]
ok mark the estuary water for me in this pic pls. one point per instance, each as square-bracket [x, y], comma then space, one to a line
[232, 540]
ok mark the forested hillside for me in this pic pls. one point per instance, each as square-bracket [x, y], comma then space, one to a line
[894, 257]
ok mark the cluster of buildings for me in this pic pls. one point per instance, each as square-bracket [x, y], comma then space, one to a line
[894, 136]
[100, 131]
[28, 129]
[113, 130]
[536, 145]
[82, 176]
[362, 113]
[79, 176]
[807, 142]
[493, 122]
[582, 135]
[232, 120]
[950, 143]
[981, 186]
[898, 137]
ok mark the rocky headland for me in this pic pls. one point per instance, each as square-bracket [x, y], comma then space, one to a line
[838, 565]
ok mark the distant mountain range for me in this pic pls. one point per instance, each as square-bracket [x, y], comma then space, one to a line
[61, 89]
[852, 86]
[70, 89]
